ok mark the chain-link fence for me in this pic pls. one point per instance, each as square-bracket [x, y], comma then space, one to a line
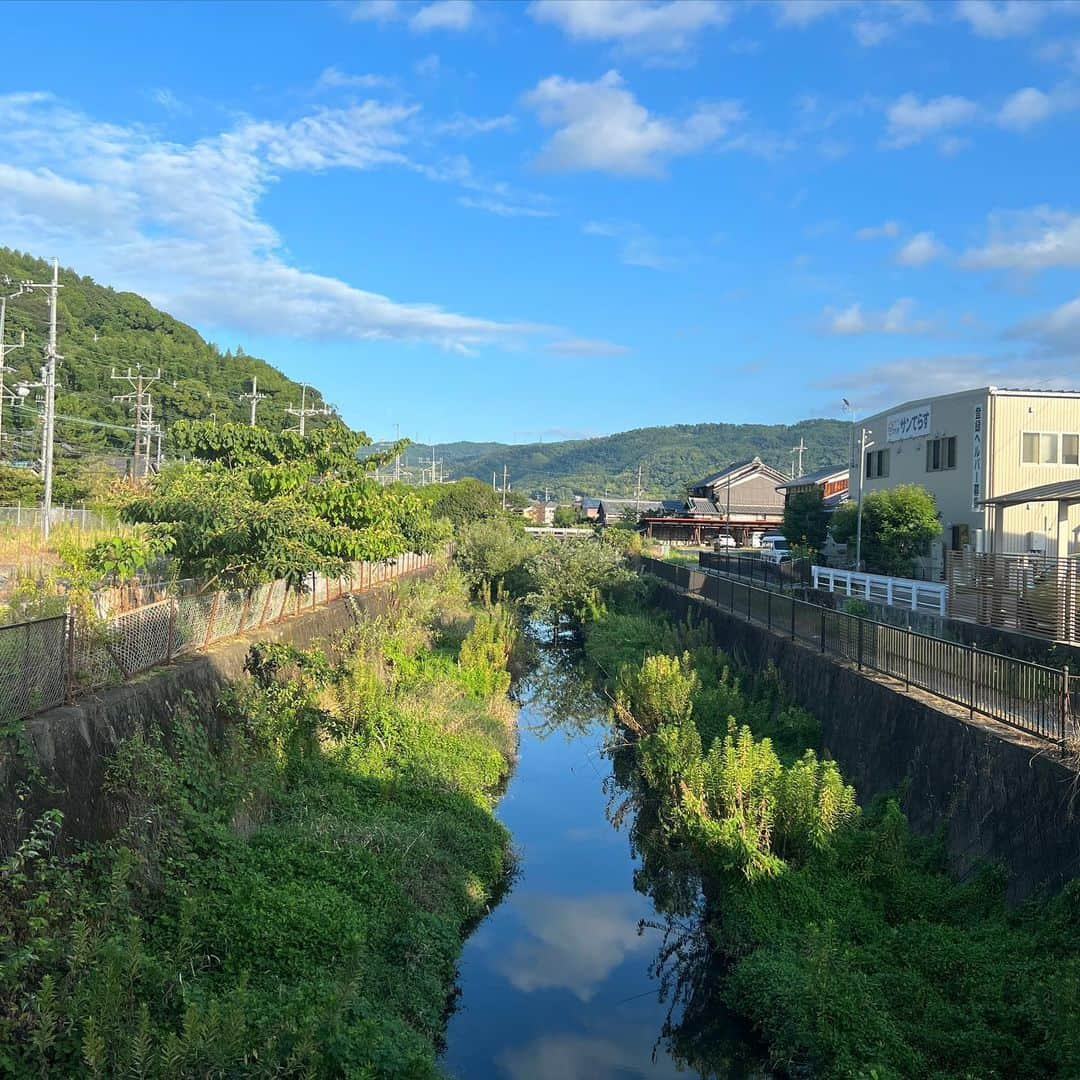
[45, 662]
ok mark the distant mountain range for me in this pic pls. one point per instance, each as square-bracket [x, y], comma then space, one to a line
[671, 457]
[101, 329]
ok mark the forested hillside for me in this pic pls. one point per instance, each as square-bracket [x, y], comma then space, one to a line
[671, 457]
[101, 329]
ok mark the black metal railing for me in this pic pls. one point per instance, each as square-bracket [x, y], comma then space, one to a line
[1033, 697]
[754, 568]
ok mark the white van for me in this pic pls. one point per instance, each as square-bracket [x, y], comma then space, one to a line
[775, 548]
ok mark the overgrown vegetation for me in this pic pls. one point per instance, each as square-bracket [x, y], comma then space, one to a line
[287, 899]
[842, 937]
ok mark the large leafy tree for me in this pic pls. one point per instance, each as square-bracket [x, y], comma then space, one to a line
[573, 580]
[250, 506]
[463, 501]
[806, 522]
[898, 525]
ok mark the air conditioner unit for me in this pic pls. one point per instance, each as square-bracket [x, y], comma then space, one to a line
[1036, 541]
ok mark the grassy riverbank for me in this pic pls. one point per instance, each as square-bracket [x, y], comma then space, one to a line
[842, 937]
[289, 898]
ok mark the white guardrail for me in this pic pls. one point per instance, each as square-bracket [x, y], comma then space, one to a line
[896, 592]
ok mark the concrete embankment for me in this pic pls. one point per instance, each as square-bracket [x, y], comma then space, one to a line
[997, 794]
[60, 757]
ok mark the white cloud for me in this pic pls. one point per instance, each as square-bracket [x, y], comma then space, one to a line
[428, 67]
[437, 15]
[375, 11]
[1058, 331]
[873, 21]
[911, 120]
[1031, 106]
[180, 223]
[1025, 108]
[1028, 240]
[916, 377]
[888, 229]
[641, 27]
[444, 15]
[585, 347]
[854, 321]
[921, 249]
[601, 126]
[637, 247]
[802, 13]
[501, 208]
[1001, 20]
[463, 126]
[170, 102]
[333, 78]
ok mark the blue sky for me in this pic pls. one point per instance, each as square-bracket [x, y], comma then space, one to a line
[549, 220]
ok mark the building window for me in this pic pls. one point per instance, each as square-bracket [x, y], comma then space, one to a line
[941, 454]
[877, 464]
[1070, 449]
[1039, 448]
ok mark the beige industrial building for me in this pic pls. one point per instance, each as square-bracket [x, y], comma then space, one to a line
[976, 445]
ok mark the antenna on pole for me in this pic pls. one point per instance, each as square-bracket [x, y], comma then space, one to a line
[254, 397]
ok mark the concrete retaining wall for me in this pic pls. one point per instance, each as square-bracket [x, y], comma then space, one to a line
[70, 747]
[999, 795]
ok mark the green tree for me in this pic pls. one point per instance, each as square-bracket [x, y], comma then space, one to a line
[19, 487]
[253, 506]
[805, 520]
[565, 517]
[572, 581]
[463, 501]
[493, 554]
[898, 525]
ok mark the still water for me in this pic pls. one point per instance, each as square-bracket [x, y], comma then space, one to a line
[557, 981]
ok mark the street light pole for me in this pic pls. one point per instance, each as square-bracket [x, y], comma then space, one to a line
[863, 447]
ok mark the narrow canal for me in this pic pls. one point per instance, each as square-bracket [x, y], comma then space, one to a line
[559, 981]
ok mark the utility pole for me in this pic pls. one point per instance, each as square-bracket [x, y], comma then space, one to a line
[637, 490]
[864, 445]
[5, 348]
[504, 487]
[304, 412]
[139, 397]
[48, 380]
[799, 450]
[254, 397]
[397, 460]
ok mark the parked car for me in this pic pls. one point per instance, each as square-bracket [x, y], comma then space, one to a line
[775, 548]
[724, 540]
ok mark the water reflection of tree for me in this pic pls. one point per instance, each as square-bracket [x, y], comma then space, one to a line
[561, 694]
[699, 1033]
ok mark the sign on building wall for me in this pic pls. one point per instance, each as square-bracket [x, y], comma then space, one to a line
[977, 458]
[913, 424]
